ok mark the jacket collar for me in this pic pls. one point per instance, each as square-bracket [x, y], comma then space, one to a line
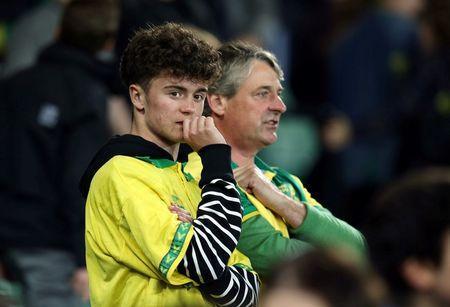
[132, 146]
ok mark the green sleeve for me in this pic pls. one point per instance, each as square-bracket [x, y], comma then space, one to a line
[265, 246]
[321, 228]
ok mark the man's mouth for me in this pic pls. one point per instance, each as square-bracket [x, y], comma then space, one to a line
[272, 122]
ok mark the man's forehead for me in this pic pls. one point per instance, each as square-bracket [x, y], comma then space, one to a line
[262, 74]
[183, 82]
[258, 82]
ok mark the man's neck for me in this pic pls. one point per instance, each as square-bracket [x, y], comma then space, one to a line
[147, 135]
[240, 153]
[242, 157]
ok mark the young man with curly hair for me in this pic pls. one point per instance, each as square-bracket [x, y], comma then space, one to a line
[140, 253]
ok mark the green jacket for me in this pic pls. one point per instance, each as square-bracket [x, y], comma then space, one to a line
[265, 237]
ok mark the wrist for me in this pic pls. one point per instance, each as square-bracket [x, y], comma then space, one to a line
[298, 216]
[292, 211]
[216, 161]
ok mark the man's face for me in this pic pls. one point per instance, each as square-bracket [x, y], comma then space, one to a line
[169, 101]
[252, 115]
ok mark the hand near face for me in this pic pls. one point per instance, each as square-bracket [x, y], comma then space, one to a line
[201, 131]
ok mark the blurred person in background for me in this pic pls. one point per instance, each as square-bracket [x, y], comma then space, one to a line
[371, 65]
[29, 33]
[10, 10]
[55, 118]
[280, 216]
[426, 128]
[253, 20]
[408, 235]
[322, 278]
[315, 26]
[207, 15]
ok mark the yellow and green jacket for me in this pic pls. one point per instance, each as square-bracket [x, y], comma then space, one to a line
[265, 237]
[139, 254]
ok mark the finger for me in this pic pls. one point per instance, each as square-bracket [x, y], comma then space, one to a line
[248, 165]
[201, 123]
[186, 129]
[240, 170]
[244, 179]
[242, 173]
[177, 206]
[194, 125]
[209, 122]
[185, 212]
[184, 217]
[178, 210]
[239, 176]
[243, 182]
[244, 168]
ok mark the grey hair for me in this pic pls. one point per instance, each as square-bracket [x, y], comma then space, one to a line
[236, 59]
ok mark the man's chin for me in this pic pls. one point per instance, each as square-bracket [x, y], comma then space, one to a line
[269, 140]
[175, 138]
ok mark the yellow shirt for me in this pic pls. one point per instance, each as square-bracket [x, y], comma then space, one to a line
[133, 242]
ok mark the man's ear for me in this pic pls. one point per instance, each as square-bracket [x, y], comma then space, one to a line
[217, 104]
[137, 96]
[420, 275]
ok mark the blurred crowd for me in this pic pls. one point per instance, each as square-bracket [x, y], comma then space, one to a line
[367, 129]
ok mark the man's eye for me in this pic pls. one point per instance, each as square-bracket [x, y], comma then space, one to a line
[199, 98]
[263, 94]
[175, 94]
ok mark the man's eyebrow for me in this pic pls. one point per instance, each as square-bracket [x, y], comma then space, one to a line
[269, 87]
[182, 88]
[175, 87]
[202, 89]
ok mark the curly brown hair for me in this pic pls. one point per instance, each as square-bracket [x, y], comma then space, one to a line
[168, 49]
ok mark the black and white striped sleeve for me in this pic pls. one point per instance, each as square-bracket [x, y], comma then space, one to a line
[236, 287]
[216, 234]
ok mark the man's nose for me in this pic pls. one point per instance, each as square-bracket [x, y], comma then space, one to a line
[278, 105]
[188, 106]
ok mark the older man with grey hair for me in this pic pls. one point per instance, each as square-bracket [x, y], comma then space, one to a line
[280, 216]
